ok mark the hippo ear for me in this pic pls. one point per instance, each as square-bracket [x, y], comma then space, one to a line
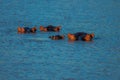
[69, 34]
[92, 35]
[56, 29]
[59, 26]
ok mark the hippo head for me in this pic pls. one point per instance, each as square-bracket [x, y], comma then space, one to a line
[71, 37]
[57, 29]
[43, 28]
[33, 30]
[88, 37]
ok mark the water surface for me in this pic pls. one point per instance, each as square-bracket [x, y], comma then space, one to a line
[35, 57]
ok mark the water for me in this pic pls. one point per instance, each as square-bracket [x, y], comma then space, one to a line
[35, 57]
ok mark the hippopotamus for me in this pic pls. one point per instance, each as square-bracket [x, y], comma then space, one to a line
[80, 36]
[57, 37]
[50, 28]
[26, 30]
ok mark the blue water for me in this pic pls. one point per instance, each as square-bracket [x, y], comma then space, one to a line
[35, 57]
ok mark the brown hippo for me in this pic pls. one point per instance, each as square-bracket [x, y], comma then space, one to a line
[50, 28]
[57, 37]
[26, 30]
[80, 36]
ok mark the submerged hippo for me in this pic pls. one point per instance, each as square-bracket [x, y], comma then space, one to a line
[26, 30]
[80, 36]
[50, 28]
[57, 37]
